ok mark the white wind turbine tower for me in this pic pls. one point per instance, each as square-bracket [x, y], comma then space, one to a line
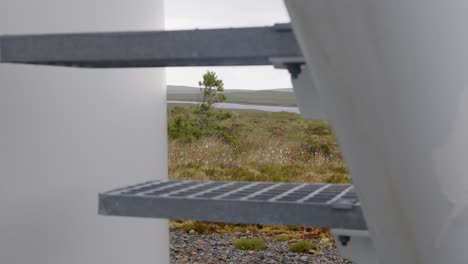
[389, 75]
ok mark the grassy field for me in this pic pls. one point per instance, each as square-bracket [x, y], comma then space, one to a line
[262, 146]
[272, 147]
[268, 97]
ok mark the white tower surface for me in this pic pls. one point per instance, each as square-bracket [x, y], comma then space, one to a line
[67, 134]
[392, 76]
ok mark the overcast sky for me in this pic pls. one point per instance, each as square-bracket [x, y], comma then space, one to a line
[189, 14]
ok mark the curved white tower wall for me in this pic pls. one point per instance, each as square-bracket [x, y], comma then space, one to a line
[393, 77]
[67, 134]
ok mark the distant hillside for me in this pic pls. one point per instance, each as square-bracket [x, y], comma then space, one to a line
[179, 89]
[283, 96]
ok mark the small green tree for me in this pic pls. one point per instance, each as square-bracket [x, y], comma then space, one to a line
[211, 91]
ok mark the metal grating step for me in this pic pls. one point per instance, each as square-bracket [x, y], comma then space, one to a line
[324, 205]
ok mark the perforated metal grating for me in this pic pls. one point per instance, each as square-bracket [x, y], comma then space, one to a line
[327, 205]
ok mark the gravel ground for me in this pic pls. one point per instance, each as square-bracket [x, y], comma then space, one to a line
[216, 249]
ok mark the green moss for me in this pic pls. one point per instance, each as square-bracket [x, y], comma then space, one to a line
[187, 174]
[249, 244]
[192, 165]
[278, 173]
[319, 128]
[239, 174]
[321, 145]
[183, 129]
[302, 246]
[339, 169]
[200, 227]
[295, 228]
[223, 133]
[339, 178]
[288, 237]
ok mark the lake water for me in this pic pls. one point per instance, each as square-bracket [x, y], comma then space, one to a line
[266, 108]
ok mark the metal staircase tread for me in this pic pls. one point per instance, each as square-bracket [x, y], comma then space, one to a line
[325, 205]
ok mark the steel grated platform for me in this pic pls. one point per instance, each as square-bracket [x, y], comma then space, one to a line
[321, 205]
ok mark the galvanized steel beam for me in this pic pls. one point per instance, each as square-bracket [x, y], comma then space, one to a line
[213, 47]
